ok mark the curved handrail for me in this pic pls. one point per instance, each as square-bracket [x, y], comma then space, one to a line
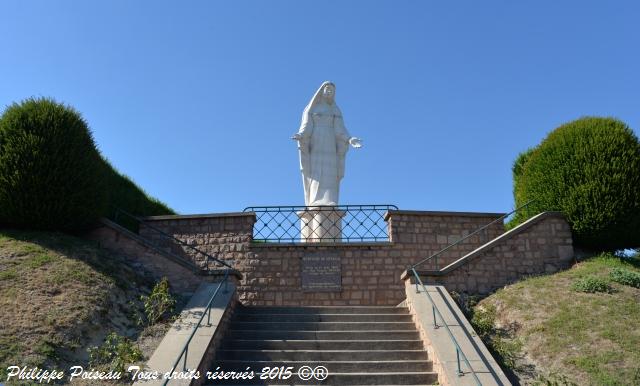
[435, 255]
[208, 256]
[185, 349]
[436, 311]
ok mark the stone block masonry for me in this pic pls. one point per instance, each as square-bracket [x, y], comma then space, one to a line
[226, 236]
[542, 244]
[369, 271]
[119, 240]
[419, 234]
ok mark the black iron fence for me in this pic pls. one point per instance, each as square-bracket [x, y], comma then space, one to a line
[341, 223]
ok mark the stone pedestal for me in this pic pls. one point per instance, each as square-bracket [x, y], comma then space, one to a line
[321, 224]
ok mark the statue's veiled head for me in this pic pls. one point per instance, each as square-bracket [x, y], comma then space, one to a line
[328, 91]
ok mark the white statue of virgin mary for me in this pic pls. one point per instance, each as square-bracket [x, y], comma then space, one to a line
[323, 142]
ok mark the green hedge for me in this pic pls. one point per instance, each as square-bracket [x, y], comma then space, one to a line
[590, 170]
[53, 177]
[126, 195]
[51, 173]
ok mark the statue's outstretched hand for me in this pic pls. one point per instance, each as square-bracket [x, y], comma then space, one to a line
[296, 137]
[355, 142]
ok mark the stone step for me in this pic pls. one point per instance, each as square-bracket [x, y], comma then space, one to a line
[322, 310]
[365, 378]
[357, 345]
[322, 355]
[322, 335]
[385, 366]
[259, 317]
[323, 326]
[245, 344]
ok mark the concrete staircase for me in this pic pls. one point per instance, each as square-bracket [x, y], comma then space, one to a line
[357, 345]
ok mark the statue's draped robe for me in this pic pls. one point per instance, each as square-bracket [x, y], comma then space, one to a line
[323, 146]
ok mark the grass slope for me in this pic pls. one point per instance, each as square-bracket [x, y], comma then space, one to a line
[549, 333]
[60, 295]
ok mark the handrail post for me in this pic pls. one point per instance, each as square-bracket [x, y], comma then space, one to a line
[184, 364]
[459, 352]
[435, 322]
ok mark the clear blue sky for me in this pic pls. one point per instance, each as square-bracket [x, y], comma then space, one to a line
[196, 101]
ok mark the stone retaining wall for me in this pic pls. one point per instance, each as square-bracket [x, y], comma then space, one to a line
[226, 236]
[370, 271]
[543, 244]
[419, 234]
[118, 240]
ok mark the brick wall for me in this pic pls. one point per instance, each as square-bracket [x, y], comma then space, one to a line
[419, 234]
[226, 236]
[118, 240]
[370, 271]
[543, 244]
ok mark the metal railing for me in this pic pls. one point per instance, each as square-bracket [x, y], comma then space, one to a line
[208, 258]
[340, 223]
[440, 252]
[435, 311]
[184, 353]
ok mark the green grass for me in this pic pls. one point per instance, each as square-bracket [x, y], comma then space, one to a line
[590, 338]
[55, 291]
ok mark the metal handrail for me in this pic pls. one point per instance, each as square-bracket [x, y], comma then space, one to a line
[435, 255]
[435, 311]
[185, 349]
[354, 223]
[177, 240]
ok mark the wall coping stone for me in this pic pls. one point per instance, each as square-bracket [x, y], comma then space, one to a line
[488, 246]
[196, 216]
[392, 212]
[174, 340]
[445, 361]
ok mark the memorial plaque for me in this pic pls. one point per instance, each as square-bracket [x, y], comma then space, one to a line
[321, 274]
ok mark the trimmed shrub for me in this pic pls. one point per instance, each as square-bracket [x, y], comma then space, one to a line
[591, 284]
[51, 173]
[590, 170]
[517, 171]
[126, 195]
